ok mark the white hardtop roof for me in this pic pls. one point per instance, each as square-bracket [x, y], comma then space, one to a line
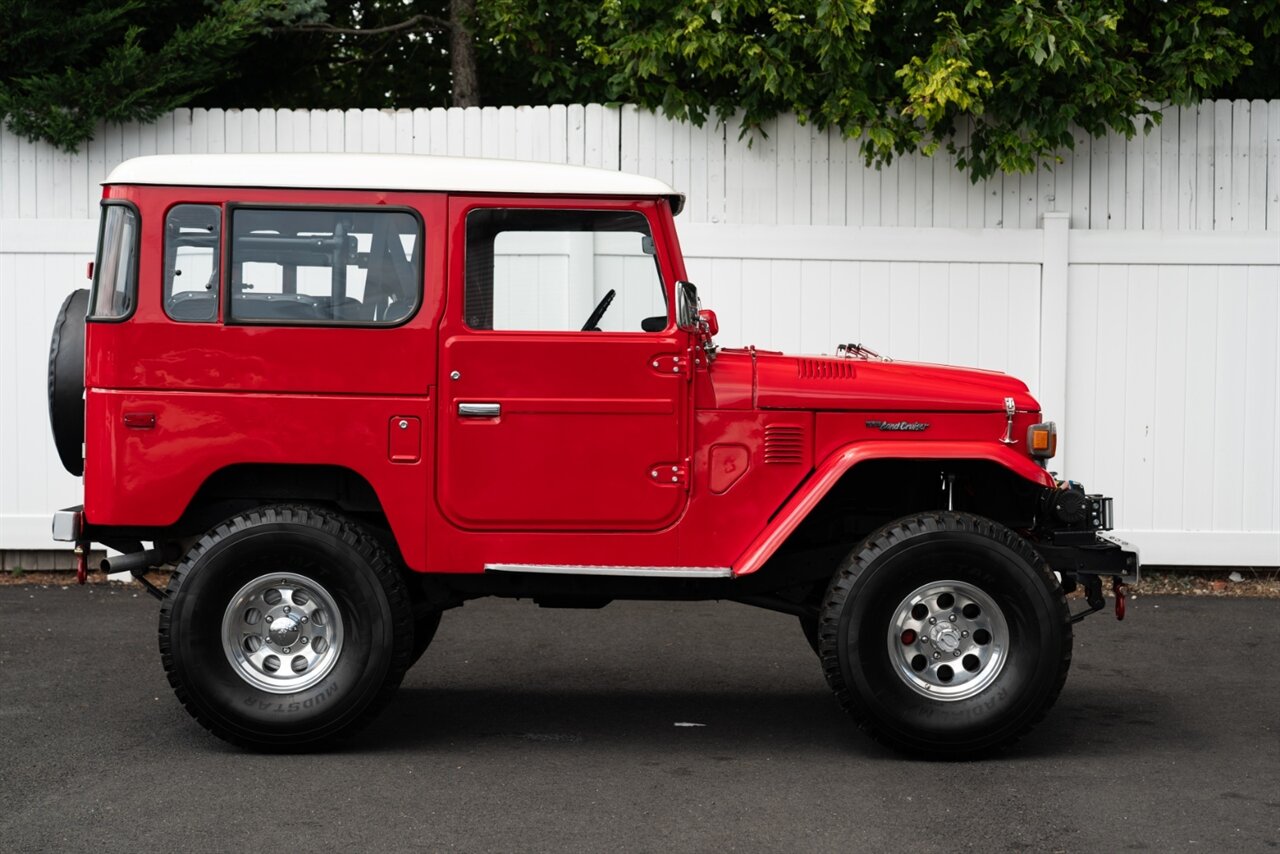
[386, 172]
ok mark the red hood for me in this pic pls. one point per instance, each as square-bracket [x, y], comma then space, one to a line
[822, 382]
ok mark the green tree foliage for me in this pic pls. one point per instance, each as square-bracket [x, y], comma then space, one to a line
[348, 54]
[901, 73]
[896, 73]
[65, 66]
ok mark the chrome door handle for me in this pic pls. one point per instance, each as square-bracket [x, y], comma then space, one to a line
[479, 410]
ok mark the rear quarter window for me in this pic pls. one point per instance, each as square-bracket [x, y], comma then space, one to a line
[314, 266]
[191, 235]
[115, 280]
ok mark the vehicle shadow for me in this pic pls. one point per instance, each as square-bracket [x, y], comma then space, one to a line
[711, 719]
[740, 723]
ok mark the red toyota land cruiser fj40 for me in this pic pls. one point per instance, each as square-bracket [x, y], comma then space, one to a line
[343, 394]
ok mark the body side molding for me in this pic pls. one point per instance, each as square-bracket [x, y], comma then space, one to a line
[621, 571]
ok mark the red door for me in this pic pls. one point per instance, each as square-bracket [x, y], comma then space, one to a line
[544, 426]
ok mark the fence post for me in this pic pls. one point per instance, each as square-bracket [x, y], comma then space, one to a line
[1053, 323]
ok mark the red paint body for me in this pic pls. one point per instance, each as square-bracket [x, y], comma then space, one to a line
[598, 456]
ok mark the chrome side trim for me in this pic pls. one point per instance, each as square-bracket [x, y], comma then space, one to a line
[67, 525]
[627, 571]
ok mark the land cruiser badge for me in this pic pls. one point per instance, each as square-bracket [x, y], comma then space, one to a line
[898, 426]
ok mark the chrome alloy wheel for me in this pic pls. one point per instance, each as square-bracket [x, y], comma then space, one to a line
[948, 640]
[282, 633]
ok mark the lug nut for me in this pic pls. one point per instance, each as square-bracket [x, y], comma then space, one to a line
[270, 618]
[304, 619]
[937, 655]
[955, 654]
[952, 618]
[286, 649]
[287, 610]
[933, 620]
[964, 634]
[304, 640]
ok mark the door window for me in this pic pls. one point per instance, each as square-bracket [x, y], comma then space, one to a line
[555, 270]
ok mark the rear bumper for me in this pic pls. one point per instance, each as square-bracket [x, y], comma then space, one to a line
[68, 525]
[1075, 553]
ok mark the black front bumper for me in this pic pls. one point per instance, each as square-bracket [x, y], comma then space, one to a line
[1076, 553]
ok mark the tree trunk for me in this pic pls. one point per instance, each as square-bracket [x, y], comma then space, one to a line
[462, 54]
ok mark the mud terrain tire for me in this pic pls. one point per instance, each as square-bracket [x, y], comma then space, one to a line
[66, 381]
[217, 637]
[891, 642]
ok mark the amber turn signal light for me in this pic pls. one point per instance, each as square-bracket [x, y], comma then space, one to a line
[1042, 440]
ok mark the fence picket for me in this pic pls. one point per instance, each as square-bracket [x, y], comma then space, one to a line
[1222, 165]
[1141, 154]
[1255, 188]
[1240, 165]
[1273, 166]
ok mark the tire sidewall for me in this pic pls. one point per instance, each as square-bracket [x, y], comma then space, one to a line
[200, 664]
[66, 380]
[1028, 678]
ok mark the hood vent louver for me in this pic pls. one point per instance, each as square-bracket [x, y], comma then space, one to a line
[783, 444]
[825, 369]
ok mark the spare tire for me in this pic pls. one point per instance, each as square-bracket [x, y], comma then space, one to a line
[66, 381]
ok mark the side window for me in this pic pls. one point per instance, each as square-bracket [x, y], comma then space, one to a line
[553, 270]
[191, 262]
[361, 267]
[115, 281]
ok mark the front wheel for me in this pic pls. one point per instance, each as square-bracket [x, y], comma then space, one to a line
[945, 634]
[286, 627]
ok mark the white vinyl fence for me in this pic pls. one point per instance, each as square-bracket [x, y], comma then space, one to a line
[1135, 287]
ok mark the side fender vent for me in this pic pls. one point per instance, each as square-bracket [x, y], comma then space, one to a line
[825, 369]
[783, 444]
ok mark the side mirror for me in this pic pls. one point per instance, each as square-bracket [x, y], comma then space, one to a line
[687, 307]
[707, 319]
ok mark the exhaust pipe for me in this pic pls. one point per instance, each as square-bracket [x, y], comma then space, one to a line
[137, 564]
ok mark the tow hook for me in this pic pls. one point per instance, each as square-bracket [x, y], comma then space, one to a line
[82, 561]
[1093, 596]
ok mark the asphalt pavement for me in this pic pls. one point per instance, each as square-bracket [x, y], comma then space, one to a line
[639, 727]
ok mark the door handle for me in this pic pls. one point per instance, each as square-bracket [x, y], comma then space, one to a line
[479, 410]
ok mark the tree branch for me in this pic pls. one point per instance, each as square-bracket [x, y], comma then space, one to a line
[423, 22]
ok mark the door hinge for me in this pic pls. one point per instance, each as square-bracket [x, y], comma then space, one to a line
[670, 363]
[669, 474]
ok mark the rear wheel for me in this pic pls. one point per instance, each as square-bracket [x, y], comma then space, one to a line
[285, 627]
[945, 634]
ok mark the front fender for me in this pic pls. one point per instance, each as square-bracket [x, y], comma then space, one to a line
[835, 466]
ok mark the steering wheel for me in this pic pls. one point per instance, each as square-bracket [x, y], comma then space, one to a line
[598, 311]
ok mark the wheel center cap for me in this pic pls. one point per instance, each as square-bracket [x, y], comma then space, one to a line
[284, 631]
[945, 637]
